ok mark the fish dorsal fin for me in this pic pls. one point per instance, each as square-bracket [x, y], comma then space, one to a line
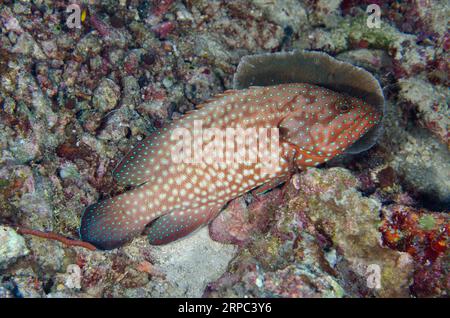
[228, 92]
[216, 98]
[187, 113]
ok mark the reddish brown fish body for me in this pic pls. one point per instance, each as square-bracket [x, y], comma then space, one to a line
[314, 125]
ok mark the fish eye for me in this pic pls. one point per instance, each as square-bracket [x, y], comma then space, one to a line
[343, 107]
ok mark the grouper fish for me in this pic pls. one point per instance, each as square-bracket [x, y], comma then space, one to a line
[315, 107]
[172, 198]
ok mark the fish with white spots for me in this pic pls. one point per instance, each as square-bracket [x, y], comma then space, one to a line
[172, 198]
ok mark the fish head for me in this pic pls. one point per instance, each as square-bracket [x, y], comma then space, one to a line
[328, 125]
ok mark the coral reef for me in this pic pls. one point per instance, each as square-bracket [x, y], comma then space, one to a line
[323, 242]
[12, 246]
[75, 99]
[425, 236]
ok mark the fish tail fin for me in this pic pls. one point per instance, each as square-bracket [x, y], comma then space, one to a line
[113, 222]
[175, 225]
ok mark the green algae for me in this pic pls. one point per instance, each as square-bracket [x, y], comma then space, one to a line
[427, 222]
[4, 183]
[356, 31]
[381, 37]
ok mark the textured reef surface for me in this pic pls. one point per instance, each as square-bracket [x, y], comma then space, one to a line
[74, 100]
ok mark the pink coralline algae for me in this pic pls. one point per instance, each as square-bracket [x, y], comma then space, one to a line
[239, 221]
[102, 28]
[160, 7]
[425, 236]
[164, 29]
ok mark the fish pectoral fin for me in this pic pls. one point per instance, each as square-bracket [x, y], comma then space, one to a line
[304, 159]
[174, 225]
[290, 128]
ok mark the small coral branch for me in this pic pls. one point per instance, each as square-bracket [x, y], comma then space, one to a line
[56, 237]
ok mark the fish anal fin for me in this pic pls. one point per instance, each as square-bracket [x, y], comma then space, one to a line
[175, 225]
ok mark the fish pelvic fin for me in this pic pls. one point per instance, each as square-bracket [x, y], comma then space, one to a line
[175, 225]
